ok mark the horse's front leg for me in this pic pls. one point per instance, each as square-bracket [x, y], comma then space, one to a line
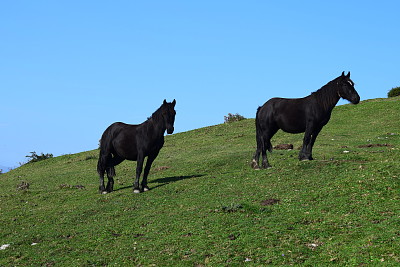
[139, 168]
[150, 160]
[305, 152]
[312, 141]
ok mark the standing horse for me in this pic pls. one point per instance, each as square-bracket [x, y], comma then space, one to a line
[308, 114]
[122, 141]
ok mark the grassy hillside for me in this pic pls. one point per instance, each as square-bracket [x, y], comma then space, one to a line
[207, 207]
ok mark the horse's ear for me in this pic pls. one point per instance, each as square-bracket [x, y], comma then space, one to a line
[174, 102]
[348, 75]
[165, 101]
[342, 73]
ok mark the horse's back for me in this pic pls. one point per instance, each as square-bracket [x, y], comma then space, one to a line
[276, 107]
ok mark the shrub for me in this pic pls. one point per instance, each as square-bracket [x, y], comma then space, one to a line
[35, 157]
[233, 117]
[394, 92]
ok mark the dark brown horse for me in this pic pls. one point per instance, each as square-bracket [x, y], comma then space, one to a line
[122, 141]
[308, 114]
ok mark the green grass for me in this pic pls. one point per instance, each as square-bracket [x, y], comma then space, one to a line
[205, 206]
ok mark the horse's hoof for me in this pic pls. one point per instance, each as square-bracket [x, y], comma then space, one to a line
[305, 158]
[104, 192]
[136, 191]
[266, 166]
[145, 189]
[254, 165]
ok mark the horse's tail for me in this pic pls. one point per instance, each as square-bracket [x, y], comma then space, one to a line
[259, 134]
[105, 152]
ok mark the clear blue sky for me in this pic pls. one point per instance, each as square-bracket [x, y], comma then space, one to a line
[68, 69]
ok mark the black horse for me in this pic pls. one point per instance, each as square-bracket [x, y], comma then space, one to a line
[298, 115]
[122, 141]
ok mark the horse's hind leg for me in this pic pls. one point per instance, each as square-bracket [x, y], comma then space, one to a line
[256, 158]
[263, 144]
[272, 129]
[111, 172]
[101, 168]
[265, 164]
[102, 189]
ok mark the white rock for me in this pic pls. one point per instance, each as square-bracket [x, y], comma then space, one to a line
[3, 247]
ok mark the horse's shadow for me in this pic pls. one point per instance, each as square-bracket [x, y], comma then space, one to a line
[165, 181]
[171, 179]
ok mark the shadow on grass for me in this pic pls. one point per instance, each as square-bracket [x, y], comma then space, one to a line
[171, 179]
[165, 181]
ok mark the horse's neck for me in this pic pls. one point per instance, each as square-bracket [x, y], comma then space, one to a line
[157, 126]
[327, 97]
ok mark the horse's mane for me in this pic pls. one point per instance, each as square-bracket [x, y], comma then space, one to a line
[156, 116]
[327, 95]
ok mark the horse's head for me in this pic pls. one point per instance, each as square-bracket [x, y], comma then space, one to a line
[346, 89]
[168, 113]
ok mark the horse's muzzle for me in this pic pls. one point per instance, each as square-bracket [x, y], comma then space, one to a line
[355, 100]
[170, 130]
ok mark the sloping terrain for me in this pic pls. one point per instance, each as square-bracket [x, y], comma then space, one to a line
[207, 206]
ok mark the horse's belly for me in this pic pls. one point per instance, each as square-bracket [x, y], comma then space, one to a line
[292, 125]
[128, 153]
[132, 158]
[293, 130]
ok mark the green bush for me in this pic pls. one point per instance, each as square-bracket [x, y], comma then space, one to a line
[233, 117]
[394, 92]
[35, 157]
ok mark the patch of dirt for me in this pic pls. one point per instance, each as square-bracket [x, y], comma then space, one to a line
[269, 202]
[283, 147]
[138, 235]
[115, 234]
[187, 235]
[375, 145]
[161, 168]
[78, 186]
[23, 186]
[233, 236]
[314, 246]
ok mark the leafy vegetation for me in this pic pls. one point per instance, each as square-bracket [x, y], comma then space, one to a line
[207, 207]
[33, 157]
[394, 92]
[233, 117]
